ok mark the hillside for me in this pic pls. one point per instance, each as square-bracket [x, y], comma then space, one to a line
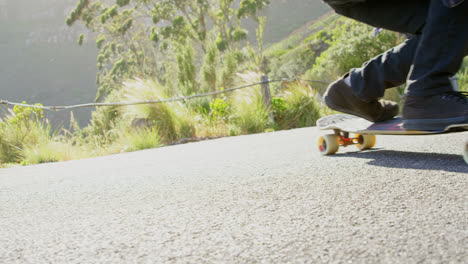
[41, 61]
[285, 16]
[296, 53]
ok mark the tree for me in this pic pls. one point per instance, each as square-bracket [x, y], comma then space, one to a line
[141, 37]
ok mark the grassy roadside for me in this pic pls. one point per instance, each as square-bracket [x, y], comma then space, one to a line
[321, 51]
[27, 138]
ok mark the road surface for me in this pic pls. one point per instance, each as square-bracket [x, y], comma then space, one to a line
[265, 198]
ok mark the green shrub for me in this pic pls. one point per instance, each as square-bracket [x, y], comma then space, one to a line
[279, 107]
[9, 151]
[278, 52]
[22, 128]
[141, 138]
[297, 107]
[186, 69]
[250, 113]
[351, 45]
[462, 76]
[103, 119]
[220, 109]
[43, 152]
[209, 69]
[173, 120]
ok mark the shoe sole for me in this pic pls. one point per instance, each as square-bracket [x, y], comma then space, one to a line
[433, 124]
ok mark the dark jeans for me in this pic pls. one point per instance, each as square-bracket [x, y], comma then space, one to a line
[425, 61]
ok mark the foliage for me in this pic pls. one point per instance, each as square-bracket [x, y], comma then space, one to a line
[220, 109]
[297, 53]
[103, 120]
[25, 137]
[186, 69]
[289, 63]
[462, 76]
[43, 152]
[279, 107]
[23, 127]
[141, 138]
[296, 107]
[251, 115]
[351, 44]
[230, 67]
[131, 47]
[209, 69]
[171, 120]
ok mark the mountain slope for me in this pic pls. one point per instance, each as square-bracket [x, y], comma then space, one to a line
[41, 61]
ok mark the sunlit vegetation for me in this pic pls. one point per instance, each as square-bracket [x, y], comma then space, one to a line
[180, 55]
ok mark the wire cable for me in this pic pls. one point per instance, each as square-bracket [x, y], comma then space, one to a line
[180, 98]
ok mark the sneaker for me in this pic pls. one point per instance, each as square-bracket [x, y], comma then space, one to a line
[339, 96]
[435, 112]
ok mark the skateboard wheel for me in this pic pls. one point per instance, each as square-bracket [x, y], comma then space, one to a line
[465, 152]
[328, 144]
[365, 141]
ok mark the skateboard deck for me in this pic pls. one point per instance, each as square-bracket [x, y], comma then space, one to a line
[365, 131]
[354, 124]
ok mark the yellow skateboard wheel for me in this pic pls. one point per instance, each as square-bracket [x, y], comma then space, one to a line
[328, 144]
[365, 141]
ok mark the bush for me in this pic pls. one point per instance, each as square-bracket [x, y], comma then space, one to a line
[250, 114]
[141, 138]
[43, 152]
[279, 108]
[220, 109]
[297, 107]
[22, 128]
[26, 137]
[173, 120]
[351, 45]
[462, 76]
[103, 119]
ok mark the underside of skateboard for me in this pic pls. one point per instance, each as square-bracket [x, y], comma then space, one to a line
[330, 143]
[352, 130]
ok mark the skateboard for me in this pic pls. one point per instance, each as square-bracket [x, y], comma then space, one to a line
[364, 132]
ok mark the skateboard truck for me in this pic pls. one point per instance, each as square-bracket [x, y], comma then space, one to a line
[364, 132]
[330, 143]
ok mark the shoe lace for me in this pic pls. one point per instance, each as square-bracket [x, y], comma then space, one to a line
[458, 96]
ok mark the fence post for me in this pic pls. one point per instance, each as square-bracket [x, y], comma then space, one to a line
[266, 94]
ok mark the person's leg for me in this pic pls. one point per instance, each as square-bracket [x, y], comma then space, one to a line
[440, 52]
[391, 68]
[369, 82]
[430, 102]
[386, 70]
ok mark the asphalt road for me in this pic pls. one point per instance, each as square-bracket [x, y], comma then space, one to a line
[266, 198]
